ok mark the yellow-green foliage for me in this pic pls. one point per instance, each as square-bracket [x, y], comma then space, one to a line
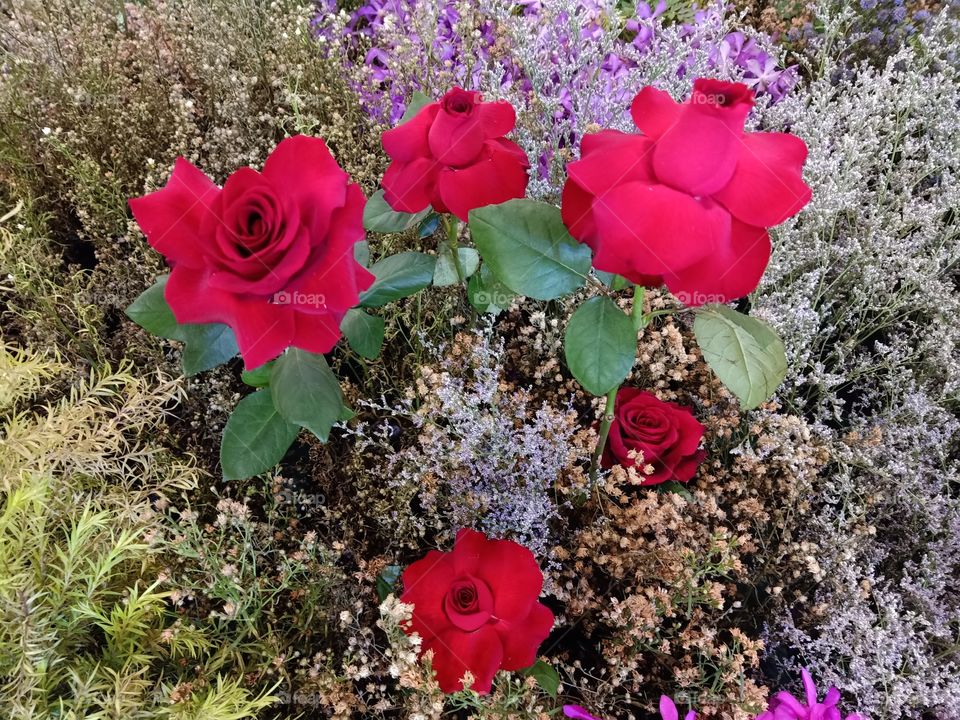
[84, 632]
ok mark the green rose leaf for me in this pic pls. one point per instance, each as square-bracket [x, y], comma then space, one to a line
[306, 392]
[529, 249]
[414, 106]
[205, 346]
[364, 332]
[361, 252]
[744, 352]
[487, 294]
[672, 486]
[546, 677]
[429, 226]
[612, 280]
[256, 437]
[379, 217]
[387, 579]
[398, 276]
[151, 311]
[600, 345]
[445, 272]
[260, 377]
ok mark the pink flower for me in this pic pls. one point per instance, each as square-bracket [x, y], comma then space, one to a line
[668, 711]
[785, 706]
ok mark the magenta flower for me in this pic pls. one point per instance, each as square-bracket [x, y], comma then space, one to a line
[784, 706]
[578, 713]
[668, 711]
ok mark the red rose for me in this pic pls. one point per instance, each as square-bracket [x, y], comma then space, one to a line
[666, 433]
[270, 254]
[476, 608]
[686, 203]
[452, 155]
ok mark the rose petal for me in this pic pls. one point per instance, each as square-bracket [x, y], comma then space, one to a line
[767, 186]
[263, 330]
[172, 218]
[457, 139]
[521, 640]
[456, 651]
[409, 186]
[425, 584]
[514, 577]
[652, 230]
[576, 210]
[690, 429]
[615, 159]
[498, 118]
[333, 279]
[409, 140]
[316, 333]
[467, 550]
[733, 270]
[499, 175]
[698, 154]
[302, 170]
[654, 111]
[686, 468]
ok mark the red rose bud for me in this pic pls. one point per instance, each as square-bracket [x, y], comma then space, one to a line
[452, 155]
[476, 608]
[667, 435]
[270, 254]
[686, 203]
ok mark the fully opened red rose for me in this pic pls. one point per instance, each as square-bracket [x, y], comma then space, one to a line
[665, 433]
[452, 155]
[476, 608]
[270, 254]
[686, 203]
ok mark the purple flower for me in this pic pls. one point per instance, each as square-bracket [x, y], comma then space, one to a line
[645, 22]
[761, 73]
[784, 706]
[578, 713]
[668, 711]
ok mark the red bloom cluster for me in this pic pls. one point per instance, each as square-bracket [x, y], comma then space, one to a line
[452, 155]
[270, 254]
[476, 608]
[686, 203]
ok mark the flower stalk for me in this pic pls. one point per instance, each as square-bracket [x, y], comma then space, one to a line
[452, 227]
[640, 321]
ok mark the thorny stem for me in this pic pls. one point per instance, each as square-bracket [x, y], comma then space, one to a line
[640, 321]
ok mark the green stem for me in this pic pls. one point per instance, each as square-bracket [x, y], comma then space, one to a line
[604, 432]
[636, 312]
[452, 226]
[640, 321]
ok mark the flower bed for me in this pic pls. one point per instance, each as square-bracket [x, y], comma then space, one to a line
[496, 360]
